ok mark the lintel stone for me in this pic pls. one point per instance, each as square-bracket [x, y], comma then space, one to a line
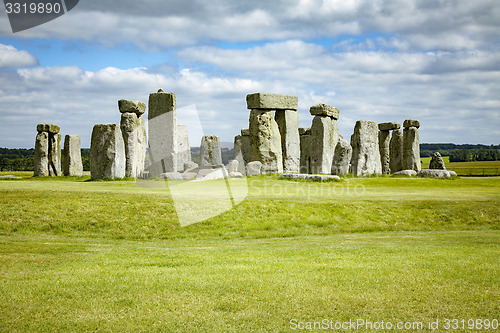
[389, 126]
[50, 128]
[411, 123]
[136, 107]
[272, 102]
[324, 110]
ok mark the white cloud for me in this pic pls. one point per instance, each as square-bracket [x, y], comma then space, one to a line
[12, 57]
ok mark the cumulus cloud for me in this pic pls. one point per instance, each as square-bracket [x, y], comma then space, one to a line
[12, 57]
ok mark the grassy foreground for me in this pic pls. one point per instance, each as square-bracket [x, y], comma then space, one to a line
[111, 256]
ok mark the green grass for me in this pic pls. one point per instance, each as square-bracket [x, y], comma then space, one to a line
[479, 168]
[79, 255]
[59, 284]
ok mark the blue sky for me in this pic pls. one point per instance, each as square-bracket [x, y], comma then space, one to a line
[436, 61]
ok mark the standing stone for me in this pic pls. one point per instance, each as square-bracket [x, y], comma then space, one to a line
[324, 137]
[365, 149]
[305, 150]
[184, 149]
[288, 123]
[142, 143]
[272, 102]
[242, 152]
[107, 152]
[437, 162]
[41, 159]
[210, 151]
[342, 158]
[384, 138]
[265, 140]
[232, 166]
[133, 129]
[396, 151]
[163, 138]
[411, 145]
[254, 168]
[55, 155]
[72, 156]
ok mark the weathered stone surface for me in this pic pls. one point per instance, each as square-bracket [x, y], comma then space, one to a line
[50, 128]
[288, 124]
[133, 129]
[254, 168]
[272, 102]
[41, 158]
[324, 110]
[137, 107]
[434, 173]
[242, 152]
[212, 174]
[232, 166]
[324, 138]
[342, 158]
[245, 132]
[384, 138]
[396, 151]
[107, 152]
[171, 176]
[235, 175]
[55, 155]
[184, 150]
[72, 156]
[190, 165]
[411, 123]
[365, 150]
[189, 175]
[265, 140]
[437, 162]
[411, 149]
[317, 178]
[405, 173]
[163, 138]
[389, 126]
[210, 151]
[9, 177]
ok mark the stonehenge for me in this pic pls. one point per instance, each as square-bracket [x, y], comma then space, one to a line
[389, 149]
[341, 158]
[437, 162]
[72, 156]
[107, 152]
[365, 149]
[210, 152]
[133, 129]
[411, 145]
[396, 150]
[288, 124]
[47, 159]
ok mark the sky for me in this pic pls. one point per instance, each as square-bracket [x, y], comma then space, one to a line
[433, 60]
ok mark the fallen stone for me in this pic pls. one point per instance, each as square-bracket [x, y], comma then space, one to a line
[313, 177]
[288, 124]
[72, 156]
[396, 151]
[254, 168]
[324, 110]
[265, 140]
[210, 151]
[405, 173]
[323, 140]
[365, 149]
[452, 173]
[389, 126]
[137, 107]
[41, 158]
[189, 175]
[411, 123]
[217, 173]
[341, 158]
[10, 177]
[107, 152]
[384, 138]
[437, 162]
[171, 176]
[411, 149]
[272, 102]
[50, 128]
[434, 173]
[235, 175]
[190, 165]
[232, 166]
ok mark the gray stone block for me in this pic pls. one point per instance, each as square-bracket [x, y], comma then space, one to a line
[411, 149]
[411, 123]
[72, 156]
[254, 168]
[324, 110]
[437, 162]
[342, 158]
[137, 107]
[50, 128]
[265, 140]
[389, 126]
[272, 102]
[41, 158]
[365, 149]
[434, 173]
[396, 151]
[210, 151]
[288, 124]
[55, 155]
[409, 173]
[107, 152]
[384, 139]
[324, 138]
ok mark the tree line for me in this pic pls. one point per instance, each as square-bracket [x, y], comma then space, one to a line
[23, 159]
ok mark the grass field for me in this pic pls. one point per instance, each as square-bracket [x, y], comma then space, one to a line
[482, 168]
[111, 256]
